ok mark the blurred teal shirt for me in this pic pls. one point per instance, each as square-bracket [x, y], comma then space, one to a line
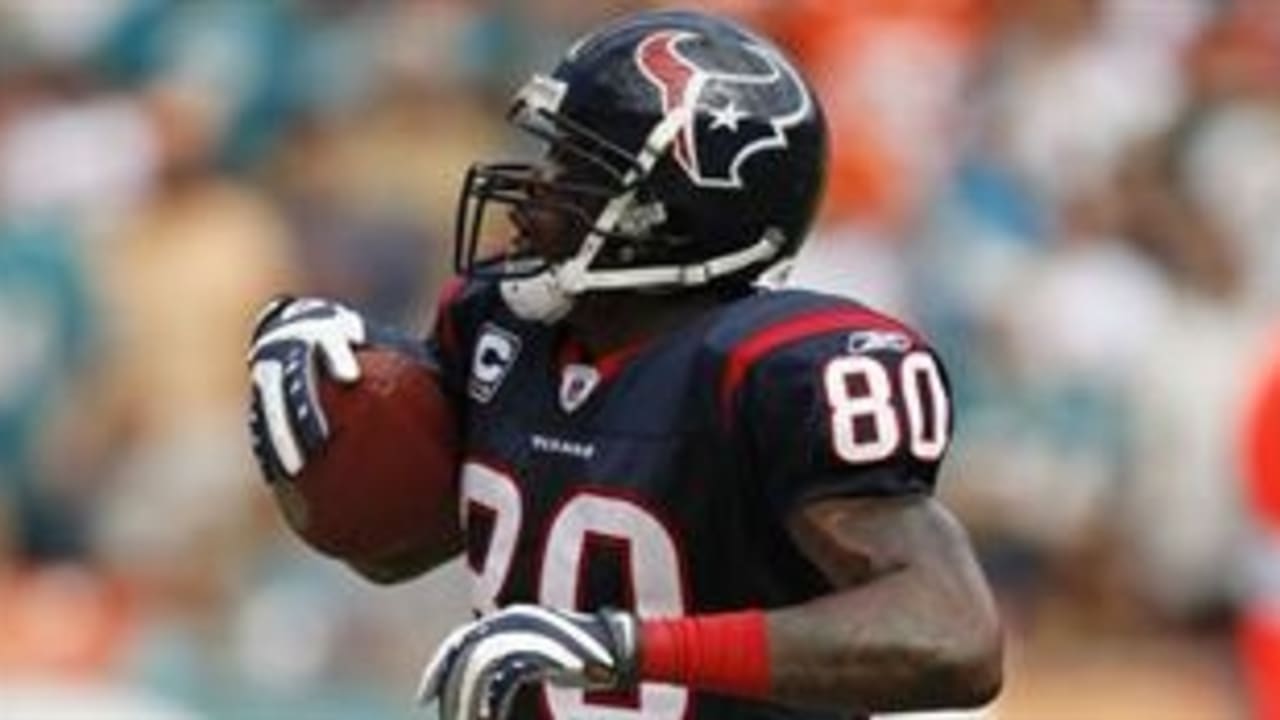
[45, 334]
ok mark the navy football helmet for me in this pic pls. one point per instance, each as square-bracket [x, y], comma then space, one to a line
[683, 151]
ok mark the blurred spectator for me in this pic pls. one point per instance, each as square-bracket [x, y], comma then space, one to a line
[1072, 91]
[68, 147]
[236, 55]
[1231, 142]
[181, 280]
[46, 318]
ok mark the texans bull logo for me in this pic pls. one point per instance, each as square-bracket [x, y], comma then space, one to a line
[733, 113]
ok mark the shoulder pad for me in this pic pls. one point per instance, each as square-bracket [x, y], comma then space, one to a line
[765, 325]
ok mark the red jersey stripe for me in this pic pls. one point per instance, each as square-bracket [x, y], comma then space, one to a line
[793, 330]
[445, 331]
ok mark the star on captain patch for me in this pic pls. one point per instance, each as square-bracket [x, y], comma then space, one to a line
[576, 383]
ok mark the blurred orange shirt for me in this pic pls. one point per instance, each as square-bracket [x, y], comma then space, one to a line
[61, 622]
[1260, 441]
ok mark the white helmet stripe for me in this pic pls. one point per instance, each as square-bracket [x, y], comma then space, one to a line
[547, 296]
[573, 274]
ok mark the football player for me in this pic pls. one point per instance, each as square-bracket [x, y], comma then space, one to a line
[687, 493]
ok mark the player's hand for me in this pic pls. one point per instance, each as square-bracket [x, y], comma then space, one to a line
[286, 421]
[477, 670]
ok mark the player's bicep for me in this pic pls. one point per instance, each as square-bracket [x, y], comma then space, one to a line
[912, 623]
[856, 540]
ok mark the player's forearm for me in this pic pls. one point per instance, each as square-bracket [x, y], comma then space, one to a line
[913, 638]
[891, 645]
[914, 625]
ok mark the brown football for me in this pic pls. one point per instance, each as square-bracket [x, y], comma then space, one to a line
[385, 485]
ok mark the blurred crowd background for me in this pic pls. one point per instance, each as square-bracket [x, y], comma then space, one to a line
[1078, 199]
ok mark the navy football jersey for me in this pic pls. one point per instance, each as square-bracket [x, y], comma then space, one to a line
[659, 478]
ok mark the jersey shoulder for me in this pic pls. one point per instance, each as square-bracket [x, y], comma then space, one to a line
[468, 311]
[829, 397]
[469, 314]
[461, 306]
[790, 331]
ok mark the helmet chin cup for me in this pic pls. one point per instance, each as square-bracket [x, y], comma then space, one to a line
[540, 298]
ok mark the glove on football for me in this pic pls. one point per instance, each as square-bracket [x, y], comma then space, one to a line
[286, 421]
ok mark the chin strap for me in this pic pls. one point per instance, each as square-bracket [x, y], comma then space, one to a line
[691, 275]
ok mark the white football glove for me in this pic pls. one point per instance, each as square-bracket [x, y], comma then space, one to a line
[477, 670]
[286, 420]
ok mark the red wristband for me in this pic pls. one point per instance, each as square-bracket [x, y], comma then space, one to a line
[726, 653]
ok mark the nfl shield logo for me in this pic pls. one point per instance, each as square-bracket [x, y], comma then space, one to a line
[576, 384]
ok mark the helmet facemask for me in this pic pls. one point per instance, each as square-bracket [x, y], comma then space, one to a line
[565, 214]
[541, 219]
